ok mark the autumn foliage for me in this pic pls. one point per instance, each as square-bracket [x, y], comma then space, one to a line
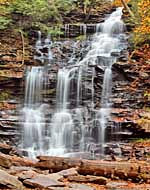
[118, 3]
[142, 28]
[144, 13]
[141, 11]
[3, 2]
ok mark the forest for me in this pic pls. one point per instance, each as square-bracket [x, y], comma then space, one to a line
[75, 94]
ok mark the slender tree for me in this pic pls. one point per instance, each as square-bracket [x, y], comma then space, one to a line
[127, 8]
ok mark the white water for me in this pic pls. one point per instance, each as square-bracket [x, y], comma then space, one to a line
[109, 43]
[34, 86]
[40, 45]
[83, 29]
[72, 121]
[33, 113]
[62, 123]
[61, 133]
[62, 128]
[34, 124]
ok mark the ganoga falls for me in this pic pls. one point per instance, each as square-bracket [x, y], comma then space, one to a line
[75, 126]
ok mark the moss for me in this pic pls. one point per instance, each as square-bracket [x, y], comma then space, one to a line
[81, 37]
[141, 140]
[144, 176]
[4, 95]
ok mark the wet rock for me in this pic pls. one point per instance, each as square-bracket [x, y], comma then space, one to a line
[43, 181]
[4, 148]
[9, 181]
[8, 134]
[68, 172]
[121, 65]
[88, 179]
[126, 150]
[5, 161]
[144, 75]
[123, 59]
[115, 54]
[117, 151]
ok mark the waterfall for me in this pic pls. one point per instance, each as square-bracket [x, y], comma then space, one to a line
[33, 113]
[110, 42]
[83, 29]
[47, 54]
[104, 43]
[79, 86]
[34, 86]
[75, 125]
[62, 123]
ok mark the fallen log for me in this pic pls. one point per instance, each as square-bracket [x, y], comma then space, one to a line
[134, 170]
[7, 161]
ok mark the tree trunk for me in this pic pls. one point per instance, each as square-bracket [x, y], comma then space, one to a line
[127, 8]
[123, 170]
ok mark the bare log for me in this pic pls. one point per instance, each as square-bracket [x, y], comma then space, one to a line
[123, 170]
[127, 8]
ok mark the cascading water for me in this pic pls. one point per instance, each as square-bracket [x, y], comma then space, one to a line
[104, 43]
[83, 29]
[111, 29]
[34, 124]
[76, 125]
[34, 119]
[39, 46]
[62, 123]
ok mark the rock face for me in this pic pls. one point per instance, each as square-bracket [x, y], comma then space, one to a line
[128, 95]
[9, 181]
[4, 148]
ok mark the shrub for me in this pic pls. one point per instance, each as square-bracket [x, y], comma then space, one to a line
[4, 22]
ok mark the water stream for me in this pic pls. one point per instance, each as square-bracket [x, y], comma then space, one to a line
[33, 115]
[75, 126]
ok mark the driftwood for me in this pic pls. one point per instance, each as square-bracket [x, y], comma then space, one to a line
[135, 170]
